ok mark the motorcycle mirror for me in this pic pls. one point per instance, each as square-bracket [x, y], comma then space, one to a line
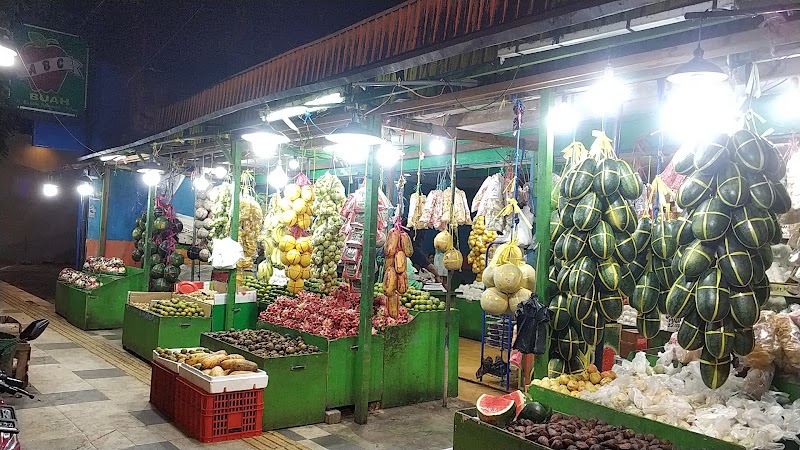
[34, 330]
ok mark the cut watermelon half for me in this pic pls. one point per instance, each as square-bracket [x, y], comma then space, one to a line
[497, 411]
[519, 400]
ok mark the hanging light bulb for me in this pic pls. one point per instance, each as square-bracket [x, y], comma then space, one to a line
[437, 146]
[151, 177]
[278, 177]
[607, 95]
[200, 183]
[294, 164]
[563, 118]
[7, 53]
[49, 189]
[696, 113]
[698, 71]
[85, 187]
[265, 143]
[387, 155]
[354, 134]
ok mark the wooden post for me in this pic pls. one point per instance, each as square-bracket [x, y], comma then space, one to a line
[236, 161]
[544, 184]
[104, 194]
[148, 231]
[363, 362]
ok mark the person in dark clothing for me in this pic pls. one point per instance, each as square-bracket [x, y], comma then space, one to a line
[422, 261]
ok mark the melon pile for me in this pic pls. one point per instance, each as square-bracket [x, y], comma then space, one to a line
[296, 257]
[508, 280]
[595, 238]
[479, 239]
[720, 248]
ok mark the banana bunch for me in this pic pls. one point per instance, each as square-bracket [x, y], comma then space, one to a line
[250, 220]
[264, 270]
[479, 238]
[272, 231]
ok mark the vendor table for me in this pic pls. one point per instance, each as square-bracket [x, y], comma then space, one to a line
[102, 308]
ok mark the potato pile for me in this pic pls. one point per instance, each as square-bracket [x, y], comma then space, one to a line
[327, 238]
[395, 279]
[296, 256]
[216, 364]
[508, 280]
[296, 204]
[479, 238]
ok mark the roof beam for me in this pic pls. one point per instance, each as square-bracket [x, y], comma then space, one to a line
[492, 140]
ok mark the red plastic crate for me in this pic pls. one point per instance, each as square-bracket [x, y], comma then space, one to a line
[162, 390]
[218, 417]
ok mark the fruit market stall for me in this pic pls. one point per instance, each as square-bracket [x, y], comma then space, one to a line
[94, 299]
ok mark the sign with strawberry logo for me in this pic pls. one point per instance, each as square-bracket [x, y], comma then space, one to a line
[53, 74]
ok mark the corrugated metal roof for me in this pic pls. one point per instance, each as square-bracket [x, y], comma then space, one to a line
[398, 31]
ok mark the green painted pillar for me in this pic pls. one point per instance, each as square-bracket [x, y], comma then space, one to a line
[236, 162]
[363, 362]
[104, 194]
[148, 233]
[544, 184]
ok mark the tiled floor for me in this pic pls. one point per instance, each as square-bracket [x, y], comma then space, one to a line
[91, 399]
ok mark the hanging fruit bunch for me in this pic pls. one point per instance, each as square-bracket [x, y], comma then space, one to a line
[202, 224]
[415, 205]
[327, 238]
[250, 220]
[296, 257]
[489, 201]
[272, 231]
[165, 261]
[731, 196]
[508, 280]
[396, 250]
[479, 239]
[219, 224]
[595, 239]
[297, 201]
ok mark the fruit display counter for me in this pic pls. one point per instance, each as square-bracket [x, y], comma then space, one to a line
[100, 308]
[147, 327]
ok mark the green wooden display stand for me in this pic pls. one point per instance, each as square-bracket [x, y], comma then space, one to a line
[295, 393]
[143, 331]
[102, 308]
[469, 433]
[245, 316]
[413, 359]
[679, 437]
[470, 316]
[341, 370]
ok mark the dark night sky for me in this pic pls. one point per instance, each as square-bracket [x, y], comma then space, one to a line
[194, 44]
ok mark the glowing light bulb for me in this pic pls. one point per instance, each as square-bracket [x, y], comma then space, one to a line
[49, 190]
[151, 177]
[437, 147]
[294, 164]
[278, 178]
[200, 183]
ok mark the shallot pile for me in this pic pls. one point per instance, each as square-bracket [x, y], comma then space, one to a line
[332, 316]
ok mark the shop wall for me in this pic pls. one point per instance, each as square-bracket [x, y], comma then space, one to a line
[35, 229]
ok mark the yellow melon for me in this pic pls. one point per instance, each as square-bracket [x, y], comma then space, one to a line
[289, 218]
[287, 243]
[488, 277]
[453, 259]
[528, 277]
[306, 273]
[292, 257]
[494, 302]
[307, 193]
[517, 298]
[294, 272]
[305, 259]
[507, 278]
[296, 286]
[443, 241]
[292, 192]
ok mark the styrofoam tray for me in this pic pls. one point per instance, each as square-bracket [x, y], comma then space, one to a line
[216, 385]
[172, 366]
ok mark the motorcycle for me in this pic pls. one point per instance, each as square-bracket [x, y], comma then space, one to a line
[9, 430]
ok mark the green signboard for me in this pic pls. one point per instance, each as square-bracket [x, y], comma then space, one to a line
[53, 73]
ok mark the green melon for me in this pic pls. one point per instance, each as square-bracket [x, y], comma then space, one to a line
[683, 230]
[558, 247]
[774, 166]
[711, 220]
[691, 332]
[157, 271]
[582, 305]
[677, 271]
[694, 189]
[638, 265]
[557, 228]
[580, 181]
[782, 202]
[714, 371]
[587, 213]
[747, 151]
[664, 243]
[744, 341]
[574, 244]
[681, 298]
[642, 234]
[630, 183]
[762, 291]
[663, 270]
[777, 234]
[557, 367]
[745, 310]
[762, 193]
[627, 284]
[562, 280]
[626, 246]
[645, 296]
[582, 275]
[618, 214]
[712, 157]
[749, 224]
[732, 188]
[566, 208]
[683, 160]
[713, 296]
[719, 338]
[602, 241]
[592, 328]
[567, 343]
[609, 274]
[610, 303]
[696, 259]
[606, 181]
[734, 262]
[649, 323]
[559, 312]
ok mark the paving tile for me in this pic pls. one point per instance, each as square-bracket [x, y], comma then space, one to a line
[74, 397]
[50, 337]
[122, 389]
[310, 431]
[77, 442]
[169, 431]
[23, 402]
[79, 359]
[139, 405]
[52, 378]
[56, 345]
[104, 332]
[141, 435]
[192, 444]
[112, 440]
[156, 446]
[113, 337]
[149, 417]
[40, 360]
[99, 373]
[311, 445]
[97, 419]
[333, 441]
[291, 435]
[46, 423]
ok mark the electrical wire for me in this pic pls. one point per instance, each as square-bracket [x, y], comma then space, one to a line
[488, 105]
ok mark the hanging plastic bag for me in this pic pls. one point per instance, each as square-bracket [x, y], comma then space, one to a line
[532, 318]
[525, 233]
[227, 253]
